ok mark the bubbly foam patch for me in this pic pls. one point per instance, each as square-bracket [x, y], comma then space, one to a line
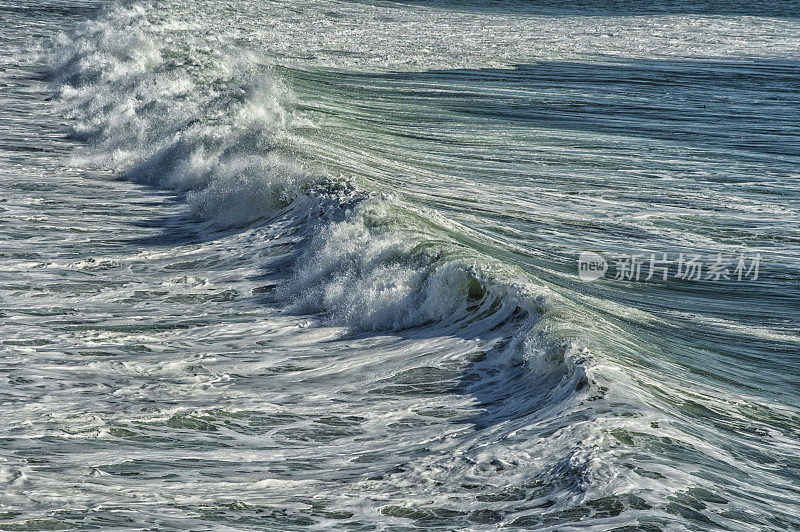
[372, 270]
[212, 124]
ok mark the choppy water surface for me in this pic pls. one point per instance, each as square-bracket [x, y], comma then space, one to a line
[294, 265]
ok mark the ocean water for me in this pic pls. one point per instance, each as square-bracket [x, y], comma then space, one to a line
[314, 265]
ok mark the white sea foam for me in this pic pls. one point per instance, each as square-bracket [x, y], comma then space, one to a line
[153, 121]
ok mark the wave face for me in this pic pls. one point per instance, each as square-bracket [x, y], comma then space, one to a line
[313, 265]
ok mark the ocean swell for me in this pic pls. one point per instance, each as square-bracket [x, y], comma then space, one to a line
[220, 129]
[217, 127]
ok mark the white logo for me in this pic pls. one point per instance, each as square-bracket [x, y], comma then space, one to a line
[591, 266]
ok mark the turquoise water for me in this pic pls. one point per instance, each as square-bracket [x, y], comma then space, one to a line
[295, 265]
